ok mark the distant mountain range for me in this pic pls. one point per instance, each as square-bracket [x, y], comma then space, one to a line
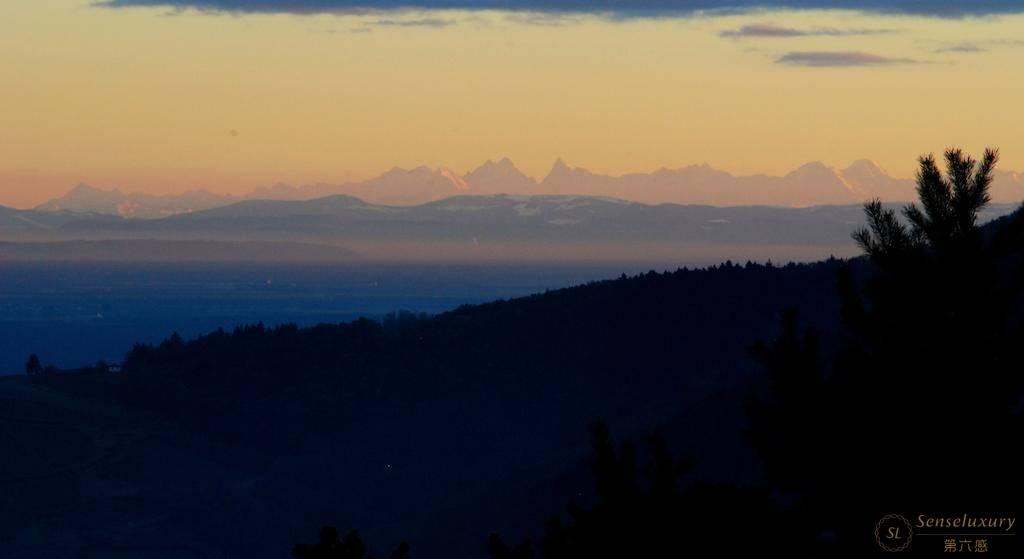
[468, 227]
[810, 185]
[87, 199]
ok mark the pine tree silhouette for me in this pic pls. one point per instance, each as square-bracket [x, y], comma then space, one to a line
[33, 366]
[330, 547]
[947, 219]
[917, 408]
[656, 513]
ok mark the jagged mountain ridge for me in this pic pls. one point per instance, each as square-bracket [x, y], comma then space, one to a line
[811, 184]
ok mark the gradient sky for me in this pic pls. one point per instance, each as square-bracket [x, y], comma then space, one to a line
[161, 99]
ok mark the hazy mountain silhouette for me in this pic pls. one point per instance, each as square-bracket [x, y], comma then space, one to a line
[809, 185]
[86, 198]
[495, 177]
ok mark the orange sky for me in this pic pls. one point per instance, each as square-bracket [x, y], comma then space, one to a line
[145, 100]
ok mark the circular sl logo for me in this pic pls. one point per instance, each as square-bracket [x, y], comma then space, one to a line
[893, 533]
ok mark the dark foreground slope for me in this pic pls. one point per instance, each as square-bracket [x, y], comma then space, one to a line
[436, 430]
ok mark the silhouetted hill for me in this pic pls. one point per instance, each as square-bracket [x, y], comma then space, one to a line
[514, 218]
[435, 429]
[483, 406]
[14, 223]
[487, 219]
[491, 228]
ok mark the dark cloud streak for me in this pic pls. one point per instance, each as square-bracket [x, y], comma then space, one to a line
[421, 22]
[825, 59]
[768, 30]
[613, 8]
[963, 48]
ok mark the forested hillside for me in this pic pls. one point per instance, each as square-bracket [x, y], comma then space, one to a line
[835, 373]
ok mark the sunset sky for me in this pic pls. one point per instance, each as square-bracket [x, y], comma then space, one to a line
[230, 95]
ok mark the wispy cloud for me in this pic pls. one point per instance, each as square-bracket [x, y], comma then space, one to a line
[822, 59]
[421, 22]
[614, 8]
[961, 48]
[770, 30]
[983, 45]
[544, 19]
